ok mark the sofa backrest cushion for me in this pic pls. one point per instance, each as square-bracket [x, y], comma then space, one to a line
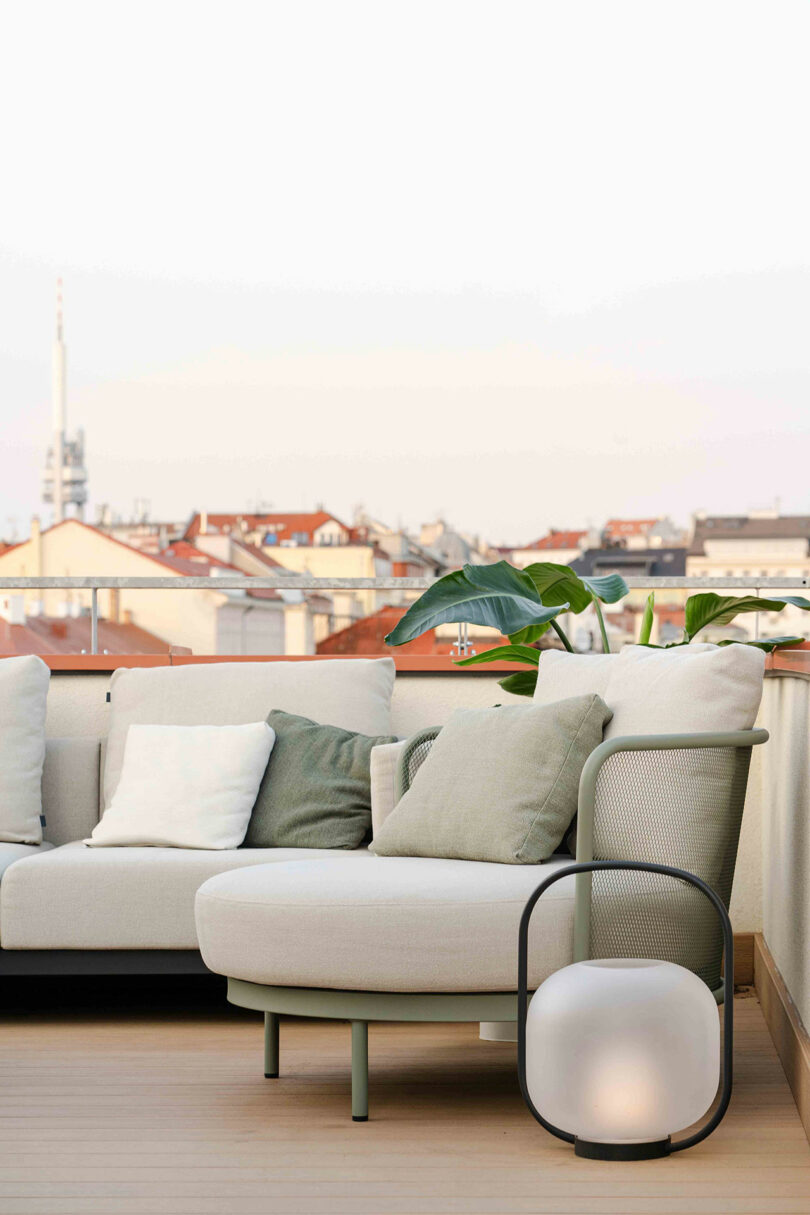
[70, 788]
[352, 693]
[23, 702]
[560, 675]
[685, 689]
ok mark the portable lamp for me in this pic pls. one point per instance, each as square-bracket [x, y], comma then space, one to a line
[624, 1052]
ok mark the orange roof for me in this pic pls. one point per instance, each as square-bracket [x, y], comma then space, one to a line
[71, 635]
[366, 636]
[556, 539]
[628, 527]
[285, 526]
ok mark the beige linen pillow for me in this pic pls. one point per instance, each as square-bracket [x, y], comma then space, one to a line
[498, 785]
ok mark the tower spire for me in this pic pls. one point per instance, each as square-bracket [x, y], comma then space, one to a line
[65, 480]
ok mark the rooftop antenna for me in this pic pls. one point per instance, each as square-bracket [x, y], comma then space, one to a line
[65, 478]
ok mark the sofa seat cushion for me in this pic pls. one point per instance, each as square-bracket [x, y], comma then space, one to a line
[9, 853]
[117, 898]
[384, 924]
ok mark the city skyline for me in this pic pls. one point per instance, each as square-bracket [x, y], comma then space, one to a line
[498, 302]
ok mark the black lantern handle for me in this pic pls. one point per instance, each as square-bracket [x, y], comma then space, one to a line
[728, 986]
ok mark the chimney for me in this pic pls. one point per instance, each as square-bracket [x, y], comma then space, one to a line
[203, 522]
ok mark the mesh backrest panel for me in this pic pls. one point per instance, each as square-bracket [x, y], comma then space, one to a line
[680, 808]
[414, 755]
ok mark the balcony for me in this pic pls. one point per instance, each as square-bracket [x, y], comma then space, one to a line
[145, 1094]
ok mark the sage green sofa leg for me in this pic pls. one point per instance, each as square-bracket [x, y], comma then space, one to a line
[360, 1071]
[270, 1045]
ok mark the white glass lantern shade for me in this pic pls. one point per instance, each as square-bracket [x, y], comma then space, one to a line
[622, 1050]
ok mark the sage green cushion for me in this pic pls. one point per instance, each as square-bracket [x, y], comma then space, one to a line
[498, 785]
[316, 790]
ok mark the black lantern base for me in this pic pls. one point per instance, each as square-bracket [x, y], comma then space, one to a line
[622, 1151]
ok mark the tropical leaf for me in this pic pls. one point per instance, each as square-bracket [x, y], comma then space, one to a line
[522, 683]
[497, 596]
[610, 588]
[532, 632]
[703, 610]
[558, 584]
[768, 644]
[502, 653]
[647, 620]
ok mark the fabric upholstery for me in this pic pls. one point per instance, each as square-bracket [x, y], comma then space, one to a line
[384, 924]
[23, 700]
[352, 693]
[498, 784]
[76, 897]
[316, 791]
[9, 853]
[689, 689]
[384, 763]
[560, 675]
[70, 785]
[186, 786]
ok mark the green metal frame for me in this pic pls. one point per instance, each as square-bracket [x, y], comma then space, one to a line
[361, 1007]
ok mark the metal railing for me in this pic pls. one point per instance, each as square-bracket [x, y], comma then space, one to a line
[305, 582]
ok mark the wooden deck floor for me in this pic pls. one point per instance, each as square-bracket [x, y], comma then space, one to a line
[166, 1110]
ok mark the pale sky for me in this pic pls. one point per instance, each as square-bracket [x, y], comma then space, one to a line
[524, 264]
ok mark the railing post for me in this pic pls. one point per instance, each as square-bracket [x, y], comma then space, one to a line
[94, 620]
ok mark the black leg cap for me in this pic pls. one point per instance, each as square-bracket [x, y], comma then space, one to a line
[271, 1075]
[359, 1117]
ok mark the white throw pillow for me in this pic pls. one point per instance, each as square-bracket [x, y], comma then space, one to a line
[686, 689]
[186, 786]
[353, 693]
[23, 701]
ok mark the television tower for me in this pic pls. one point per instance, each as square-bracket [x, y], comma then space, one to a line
[64, 482]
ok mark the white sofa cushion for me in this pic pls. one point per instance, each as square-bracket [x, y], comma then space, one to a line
[70, 788]
[561, 675]
[9, 853]
[384, 924]
[76, 897]
[23, 700]
[352, 693]
[186, 786]
[687, 689]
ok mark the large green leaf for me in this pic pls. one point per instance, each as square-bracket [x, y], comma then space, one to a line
[522, 683]
[558, 584]
[497, 596]
[502, 653]
[610, 588]
[768, 644]
[703, 610]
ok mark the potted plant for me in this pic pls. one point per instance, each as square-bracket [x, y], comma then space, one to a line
[525, 604]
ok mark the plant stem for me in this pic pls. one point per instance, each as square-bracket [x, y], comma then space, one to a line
[562, 637]
[602, 629]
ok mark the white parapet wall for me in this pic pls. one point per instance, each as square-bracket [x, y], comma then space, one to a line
[783, 790]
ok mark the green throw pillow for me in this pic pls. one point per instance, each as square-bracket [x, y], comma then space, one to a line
[316, 791]
[498, 785]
